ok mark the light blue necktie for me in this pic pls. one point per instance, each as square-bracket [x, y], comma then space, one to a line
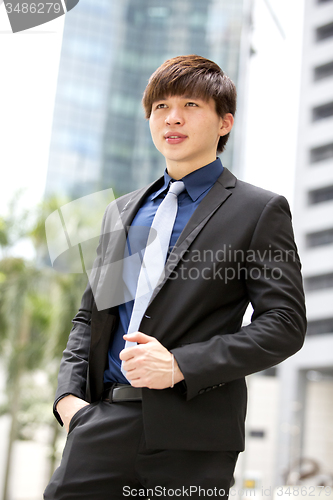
[152, 268]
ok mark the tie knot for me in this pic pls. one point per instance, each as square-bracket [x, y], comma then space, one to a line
[176, 187]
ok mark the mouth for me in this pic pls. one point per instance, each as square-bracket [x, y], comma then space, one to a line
[174, 138]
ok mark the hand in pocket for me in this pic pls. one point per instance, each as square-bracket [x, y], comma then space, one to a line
[68, 406]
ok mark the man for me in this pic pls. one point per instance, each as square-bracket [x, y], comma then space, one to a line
[164, 416]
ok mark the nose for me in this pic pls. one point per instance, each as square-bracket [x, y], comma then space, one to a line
[174, 117]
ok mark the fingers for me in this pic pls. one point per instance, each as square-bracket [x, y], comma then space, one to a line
[127, 353]
[147, 364]
[139, 337]
[150, 370]
[134, 357]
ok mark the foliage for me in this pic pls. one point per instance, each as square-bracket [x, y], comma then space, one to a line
[36, 308]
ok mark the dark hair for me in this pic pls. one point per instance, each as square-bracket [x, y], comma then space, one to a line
[195, 76]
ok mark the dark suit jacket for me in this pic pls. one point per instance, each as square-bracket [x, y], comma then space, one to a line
[238, 247]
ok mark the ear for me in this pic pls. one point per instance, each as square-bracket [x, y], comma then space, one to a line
[227, 123]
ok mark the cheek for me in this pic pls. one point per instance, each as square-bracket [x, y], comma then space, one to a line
[155, 126]
[152, 127]
[156, 136]
[212, 128]
[207, 131]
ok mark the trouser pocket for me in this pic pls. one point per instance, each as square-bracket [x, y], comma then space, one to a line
[77, 416]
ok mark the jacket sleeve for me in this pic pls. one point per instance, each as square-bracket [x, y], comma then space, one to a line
[274, 287]
[72, 377]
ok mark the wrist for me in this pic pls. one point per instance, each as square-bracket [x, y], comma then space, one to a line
[177, 373]
[66, 405]
[172, 371]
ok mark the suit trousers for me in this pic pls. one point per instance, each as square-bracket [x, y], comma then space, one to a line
[106, 458]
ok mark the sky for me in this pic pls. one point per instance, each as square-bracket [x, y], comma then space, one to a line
[273, 97]
[29, 63]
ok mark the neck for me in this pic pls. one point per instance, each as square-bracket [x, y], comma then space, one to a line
[178, 170]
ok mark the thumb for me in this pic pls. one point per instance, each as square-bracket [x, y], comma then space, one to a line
[139, 337]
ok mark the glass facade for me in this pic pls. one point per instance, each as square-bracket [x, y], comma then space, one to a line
[100, 137]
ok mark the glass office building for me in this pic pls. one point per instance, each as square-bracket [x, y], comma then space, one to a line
[306, 380]
[100, 137]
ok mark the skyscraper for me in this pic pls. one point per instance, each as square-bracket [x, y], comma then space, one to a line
[100, 138]
[89, 45]
[306, 407]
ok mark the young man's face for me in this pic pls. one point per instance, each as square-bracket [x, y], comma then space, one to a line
[186, 131]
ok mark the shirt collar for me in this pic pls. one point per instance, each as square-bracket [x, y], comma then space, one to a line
[197, 182]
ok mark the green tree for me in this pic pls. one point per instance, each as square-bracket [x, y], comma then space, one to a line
[37, 305]
[66, 290]
[25, 317]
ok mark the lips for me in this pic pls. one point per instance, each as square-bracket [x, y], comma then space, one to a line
[174, 137]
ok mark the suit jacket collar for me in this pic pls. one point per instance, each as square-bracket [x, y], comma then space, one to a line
[216, 196]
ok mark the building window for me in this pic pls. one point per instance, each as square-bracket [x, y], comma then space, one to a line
[158, 11]
[321, 153]
[324, 32]
[257, 433]
[319, 238]
[323, 71]
[320, 326]
[322, 112]
[269, 372]
[320, 195]
[319, 282]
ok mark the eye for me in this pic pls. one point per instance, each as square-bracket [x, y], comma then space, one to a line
[160, 106]
[191, 104]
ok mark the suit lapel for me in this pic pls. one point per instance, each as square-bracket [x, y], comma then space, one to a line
[125, 218]
[107, 293]
[214, 199]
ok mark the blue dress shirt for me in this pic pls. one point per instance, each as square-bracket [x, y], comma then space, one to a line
[197, 185]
